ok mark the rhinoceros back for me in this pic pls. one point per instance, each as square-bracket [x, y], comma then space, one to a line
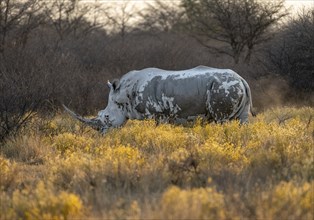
[198, 91]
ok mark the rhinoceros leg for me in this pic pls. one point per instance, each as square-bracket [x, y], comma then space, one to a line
[244, 115]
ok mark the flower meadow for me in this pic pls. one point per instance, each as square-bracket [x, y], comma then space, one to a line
[57, 168]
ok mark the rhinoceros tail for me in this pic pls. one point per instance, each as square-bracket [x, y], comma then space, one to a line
[248, 92]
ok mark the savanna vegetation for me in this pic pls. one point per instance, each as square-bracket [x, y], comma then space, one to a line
[58, 169]
[64, 51]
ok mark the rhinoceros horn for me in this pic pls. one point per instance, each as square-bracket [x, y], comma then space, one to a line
[93, 122]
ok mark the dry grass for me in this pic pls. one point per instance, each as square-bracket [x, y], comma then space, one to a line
[62, 170]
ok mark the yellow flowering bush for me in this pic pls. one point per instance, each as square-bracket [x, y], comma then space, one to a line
[4, 166]
[68, 171]
[68, 142]
[43, 203]
[288, 201]
[216, 157]
[123, 157]
[202, 203]
[7, 173]
[54, 125]
[122, 209]
[146, 136]
[108, 166]
[261, 170]
[29, 148]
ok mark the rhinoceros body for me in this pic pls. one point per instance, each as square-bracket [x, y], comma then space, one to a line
[215, 94]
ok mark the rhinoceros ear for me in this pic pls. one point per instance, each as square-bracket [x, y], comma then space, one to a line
[115, 84]
[109, 85]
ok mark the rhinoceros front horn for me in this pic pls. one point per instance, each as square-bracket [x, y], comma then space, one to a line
[94, 122]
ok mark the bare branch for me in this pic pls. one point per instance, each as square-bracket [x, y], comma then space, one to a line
[239, 24]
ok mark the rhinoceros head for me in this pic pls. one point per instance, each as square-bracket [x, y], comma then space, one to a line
[112, 116]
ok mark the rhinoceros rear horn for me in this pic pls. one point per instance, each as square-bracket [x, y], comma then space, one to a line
[94, 122]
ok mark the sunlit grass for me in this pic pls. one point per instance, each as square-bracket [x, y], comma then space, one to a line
[59, 169]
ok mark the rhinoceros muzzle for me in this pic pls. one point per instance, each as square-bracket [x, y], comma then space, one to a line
[95, 123]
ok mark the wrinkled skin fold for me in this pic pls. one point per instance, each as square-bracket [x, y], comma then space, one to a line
[217, 95]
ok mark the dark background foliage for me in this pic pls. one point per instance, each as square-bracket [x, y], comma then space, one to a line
[65, 52]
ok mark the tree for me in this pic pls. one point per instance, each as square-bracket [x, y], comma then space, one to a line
[21, 92]
[161, 16]
[17, 20]
[292, 52]
[232, 27]
[70, 18]
[121, 17]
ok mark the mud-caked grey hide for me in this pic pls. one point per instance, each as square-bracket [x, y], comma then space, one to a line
[217, 95]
